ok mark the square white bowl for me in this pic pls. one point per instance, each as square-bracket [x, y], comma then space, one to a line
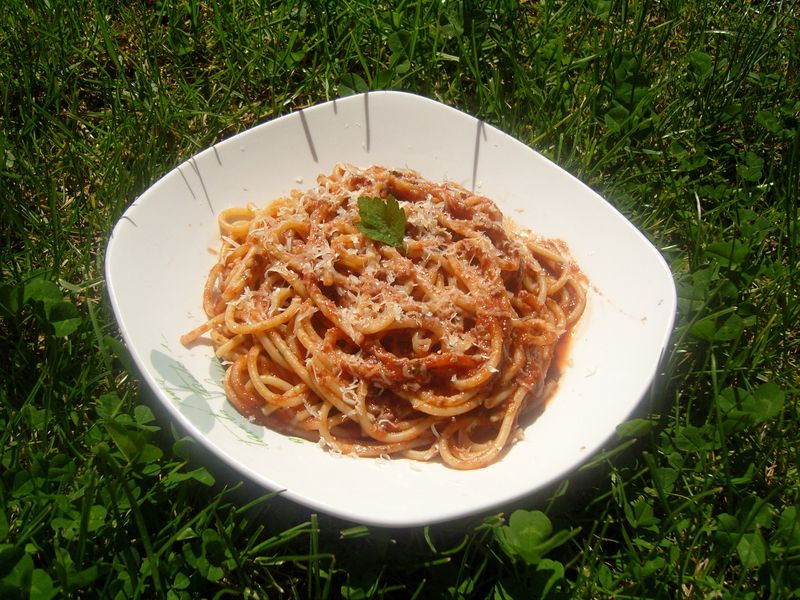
[163, 247]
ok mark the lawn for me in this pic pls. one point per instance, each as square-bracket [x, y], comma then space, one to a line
[684, 115]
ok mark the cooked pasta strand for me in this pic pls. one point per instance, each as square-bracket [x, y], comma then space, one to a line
[431, 350]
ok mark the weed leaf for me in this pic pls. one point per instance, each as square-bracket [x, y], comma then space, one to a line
[764, 403]
[120, 352]
[549, 572]
[730, 329]
[728, 254]
[19, 571]
[789, 526]
[42, 586]
[769, 121]
[129, 442]
[528, 536]
[700, 64]
[694, 439]
[9, 556]
[664, 478]
[707, 329]
[634, 428]
[108, 405]
[752, 550]
[11, 299]
[42, 290]
[64, 318]
[201, 475]
[751, 168]
[352, 83]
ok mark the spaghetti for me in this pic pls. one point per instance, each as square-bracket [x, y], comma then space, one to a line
[438, 348]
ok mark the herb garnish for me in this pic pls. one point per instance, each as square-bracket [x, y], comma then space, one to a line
[382, 221]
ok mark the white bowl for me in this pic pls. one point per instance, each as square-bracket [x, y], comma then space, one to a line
[162, 248]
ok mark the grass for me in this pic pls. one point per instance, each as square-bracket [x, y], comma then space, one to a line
[683, 114]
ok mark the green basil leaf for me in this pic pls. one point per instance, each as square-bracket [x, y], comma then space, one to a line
[382, 221]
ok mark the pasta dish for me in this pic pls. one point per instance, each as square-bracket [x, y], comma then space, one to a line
[382, 314]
